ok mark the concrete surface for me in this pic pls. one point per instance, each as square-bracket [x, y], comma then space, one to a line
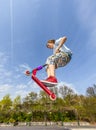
[45, 128]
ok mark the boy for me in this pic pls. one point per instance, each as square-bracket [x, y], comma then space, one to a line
[61, 56]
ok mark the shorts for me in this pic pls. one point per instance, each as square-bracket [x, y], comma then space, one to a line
[59, 59]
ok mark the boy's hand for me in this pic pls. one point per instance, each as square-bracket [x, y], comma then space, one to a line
[57, 51]
[27, 72]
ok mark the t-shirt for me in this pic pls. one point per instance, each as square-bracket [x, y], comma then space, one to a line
[63, 48]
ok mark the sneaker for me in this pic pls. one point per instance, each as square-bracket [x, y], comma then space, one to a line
[52, 79]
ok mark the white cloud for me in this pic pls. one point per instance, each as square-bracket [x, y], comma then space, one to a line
[13, 81]
[33, 86]
[22, 93]
[24, 89]
[21, 86]
[23, 67]
[5, 88]
[3, 58]
[5, 74]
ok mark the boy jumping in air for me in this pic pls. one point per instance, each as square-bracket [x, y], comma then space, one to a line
[61, 56]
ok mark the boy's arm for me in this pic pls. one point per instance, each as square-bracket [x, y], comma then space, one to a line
[62, 41]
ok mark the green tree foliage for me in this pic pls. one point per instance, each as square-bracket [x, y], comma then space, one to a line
[17, 103]
[5, 108]
[29, 101]
[89, 104]
[68, 106]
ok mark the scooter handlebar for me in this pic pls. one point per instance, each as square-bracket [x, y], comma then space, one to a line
[38, 68]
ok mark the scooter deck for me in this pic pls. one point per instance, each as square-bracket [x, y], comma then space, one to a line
[49, 84]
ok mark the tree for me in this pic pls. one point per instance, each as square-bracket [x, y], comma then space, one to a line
[65, 91]
[28, 102]
[6, 103]
[5, 108]
[91, 91]
[31, 97]
[17, 103]
[89, 105]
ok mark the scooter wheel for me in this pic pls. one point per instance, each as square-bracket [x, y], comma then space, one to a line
[27, 72]
[53, 97]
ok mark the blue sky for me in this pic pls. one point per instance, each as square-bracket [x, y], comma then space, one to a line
[25, 27]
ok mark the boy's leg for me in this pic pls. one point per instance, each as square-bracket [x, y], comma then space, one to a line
[51, 73]
[48, 71]
[55, 61]
[51, 70]
[51, 67]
